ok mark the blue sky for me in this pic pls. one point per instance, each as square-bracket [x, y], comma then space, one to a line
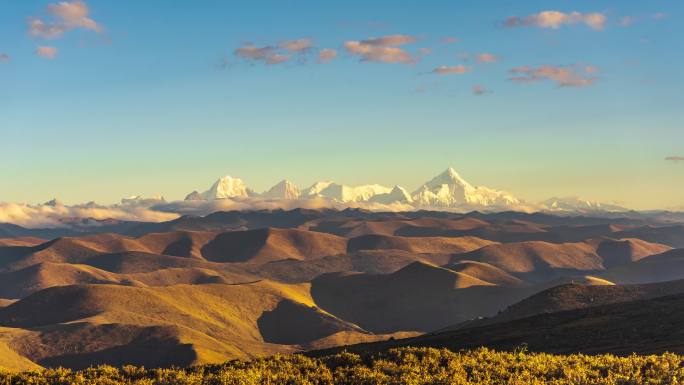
[151, 98]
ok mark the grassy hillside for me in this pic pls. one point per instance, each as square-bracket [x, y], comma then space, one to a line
[397, 366]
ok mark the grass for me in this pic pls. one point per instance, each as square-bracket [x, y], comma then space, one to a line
[396, 366]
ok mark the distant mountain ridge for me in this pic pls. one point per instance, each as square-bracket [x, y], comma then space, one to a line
[446, 191]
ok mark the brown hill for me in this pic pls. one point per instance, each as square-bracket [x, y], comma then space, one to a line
[485, 272]
[418, 297]
[642, 327]
[91, 324]
[576, 296]
[667, 266]
[427, 226]
[259, 246]
[667, 235]
[416, 244]
[618, 252]
[20, 241]
[537, 261]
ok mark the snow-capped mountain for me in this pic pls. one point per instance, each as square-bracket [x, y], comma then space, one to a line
[283, 190]
[397, 195]
[449, 189]
[342, 193]
[576, 204]
[225, 187]
[141, 201]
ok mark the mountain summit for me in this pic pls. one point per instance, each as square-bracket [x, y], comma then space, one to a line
[449, 189]
[227, 187]
[283, 190]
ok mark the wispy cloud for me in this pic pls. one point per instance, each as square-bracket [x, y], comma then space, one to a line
[326, 55]
[659, 15]
[450, 40]
[390, 40]
[563, 76]
[382, 49]
[447, 70]
[284, 52]
[675, 159]
[47, 52]
[556, 19]
[626, 21]
[479, 90]
[299, 45]
[486, 58]
[64, 16]
[5, 58]
[266, 54]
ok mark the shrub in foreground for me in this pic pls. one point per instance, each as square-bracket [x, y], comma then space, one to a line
[396, 366]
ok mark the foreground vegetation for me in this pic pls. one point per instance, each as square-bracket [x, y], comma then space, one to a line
[397, 366]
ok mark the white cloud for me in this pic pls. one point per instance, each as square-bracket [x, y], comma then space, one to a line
[563, 76]
[66, 16]
[326, 55]
[446, 70]
[5, 58]
[299, 45]
[47, 215]
[266, 54]
[486, 58]
[382, 49]
[479, 90]
[556, 19]
[47, 52]
[450, 40]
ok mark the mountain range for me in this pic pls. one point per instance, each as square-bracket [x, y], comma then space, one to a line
[244, 284]
[447, 190]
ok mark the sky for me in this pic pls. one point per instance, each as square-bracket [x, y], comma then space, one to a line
[105, 99]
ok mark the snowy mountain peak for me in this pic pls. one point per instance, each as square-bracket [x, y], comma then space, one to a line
[283, 190]
[449, 189]
[227, 187]
[342, 193]
[398, 194]
[576, 204]
[449, 177]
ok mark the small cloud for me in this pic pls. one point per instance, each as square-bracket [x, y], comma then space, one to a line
[556, 19]
[278, 59]
[66, 16]
[326, 55]
[486, 58]
[446, 70]
[47, 52]
[5, 58]
[659, 16]
[479, 90]
[391, 40]
[450, 40]
[626, 21]
[425, 51]
[266, 54]
[299, 45]
[590, 69]
[382, 49]
[675, 159]
[563, 76]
